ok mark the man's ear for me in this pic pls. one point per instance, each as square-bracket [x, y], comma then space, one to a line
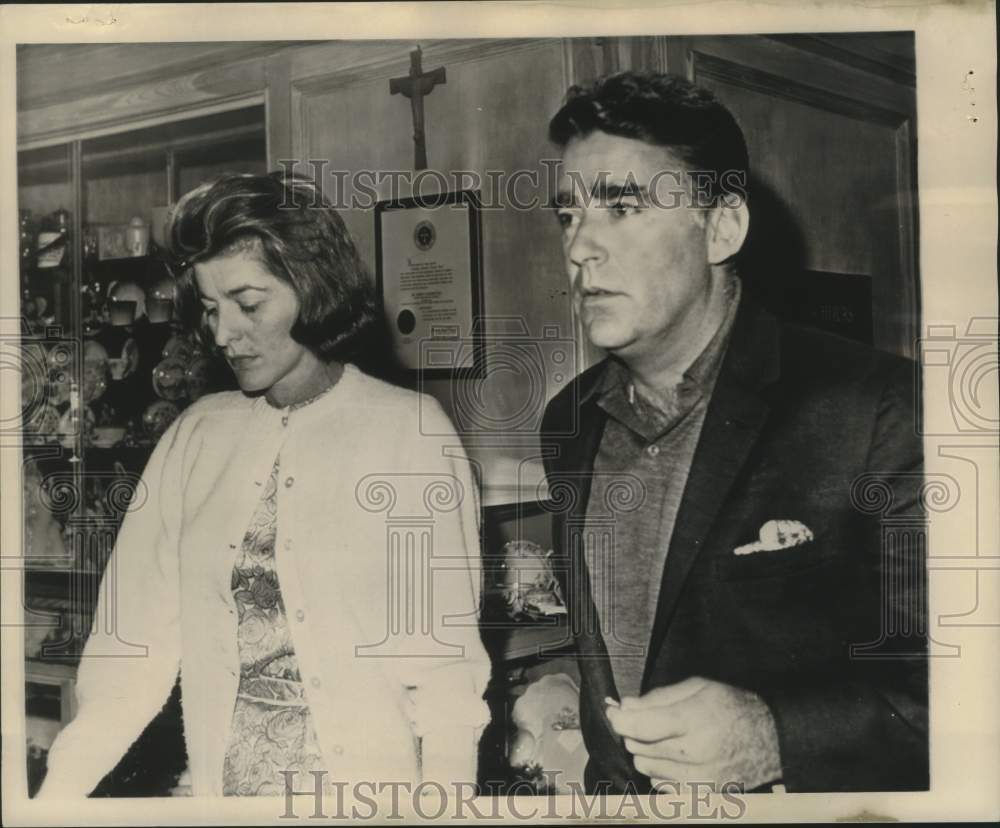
[726, 230]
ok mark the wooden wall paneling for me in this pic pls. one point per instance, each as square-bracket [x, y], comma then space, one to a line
[907, 324]
[589, 58]
[333, 64]
[278, 74]
[52, 74]
[785, 61]
[40, 197]
[832, 157]
[647, 53]
[889, 54]
[213, 90]
[592, 57]
[491, 115]
[328, 64]
[114, 199]
[74, 298]
[190, 175]
[679, 57]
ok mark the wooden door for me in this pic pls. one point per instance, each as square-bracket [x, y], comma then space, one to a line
[830, 121]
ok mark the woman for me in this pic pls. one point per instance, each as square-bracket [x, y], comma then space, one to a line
[269, 554]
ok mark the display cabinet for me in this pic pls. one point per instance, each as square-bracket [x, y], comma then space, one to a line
[533, 744]
[105, 366]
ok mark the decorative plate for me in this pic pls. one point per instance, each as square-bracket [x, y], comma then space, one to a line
[44, 420]
[60, 355]
[34, 357]
[69, 425]
[180, 347]
[33, 388]
[547, 717]
[168, 379]
[95, 380]
[94, 351]
[59, 386]
[158, 417]
[130, 353]
[197, 377]
[128, 291]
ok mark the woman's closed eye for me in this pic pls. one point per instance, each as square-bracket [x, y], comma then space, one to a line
[249, 310]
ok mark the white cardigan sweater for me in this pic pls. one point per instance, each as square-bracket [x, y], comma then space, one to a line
[367, 485]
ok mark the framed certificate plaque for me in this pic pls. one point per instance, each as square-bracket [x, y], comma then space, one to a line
[429, 278]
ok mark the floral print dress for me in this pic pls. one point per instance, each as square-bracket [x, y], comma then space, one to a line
[272, 728]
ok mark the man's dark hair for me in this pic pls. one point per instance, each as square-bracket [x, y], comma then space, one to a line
[659, 109]
[298, 236]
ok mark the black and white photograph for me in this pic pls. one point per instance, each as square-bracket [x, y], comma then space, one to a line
[451, 411]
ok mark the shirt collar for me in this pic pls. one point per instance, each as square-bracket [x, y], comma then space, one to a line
[701, 372]
[617, 395]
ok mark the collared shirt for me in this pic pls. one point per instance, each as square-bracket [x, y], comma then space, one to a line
[639, 475]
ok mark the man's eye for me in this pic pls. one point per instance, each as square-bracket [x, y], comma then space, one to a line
[624, 208]
[565, 218]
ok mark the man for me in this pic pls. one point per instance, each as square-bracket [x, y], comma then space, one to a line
[737, 615]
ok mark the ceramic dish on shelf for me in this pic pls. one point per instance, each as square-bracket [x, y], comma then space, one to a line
[107, 436]
[70, 426]
[158, 417]
[34, 358]
[197, 377]
[181, 347]
[547, 717]
[95, 380]
[60, 355]
[129, 291]
[33, 388]
[58, 390]
[168, 379]
[43, 421]
[94, 351]
[125, 365]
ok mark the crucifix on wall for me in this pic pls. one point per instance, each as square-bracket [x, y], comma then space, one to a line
[415, 86]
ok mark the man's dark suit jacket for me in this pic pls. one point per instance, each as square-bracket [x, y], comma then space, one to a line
[806, 426]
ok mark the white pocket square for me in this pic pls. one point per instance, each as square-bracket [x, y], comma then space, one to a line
[777, 534]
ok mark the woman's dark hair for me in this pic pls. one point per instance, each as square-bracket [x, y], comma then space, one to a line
[659, 109]
[298, 236]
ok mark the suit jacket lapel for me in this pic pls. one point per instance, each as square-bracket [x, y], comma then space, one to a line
[736, 413]
[573, 468]
[570, 487]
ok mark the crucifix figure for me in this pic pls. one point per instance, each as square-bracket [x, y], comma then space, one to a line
[415, 86]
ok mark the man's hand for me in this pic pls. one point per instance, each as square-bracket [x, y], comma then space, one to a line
[700, 730]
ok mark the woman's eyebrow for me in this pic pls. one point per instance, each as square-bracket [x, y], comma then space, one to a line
[236, 291]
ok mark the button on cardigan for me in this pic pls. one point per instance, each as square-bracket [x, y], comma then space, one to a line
[379, 562]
